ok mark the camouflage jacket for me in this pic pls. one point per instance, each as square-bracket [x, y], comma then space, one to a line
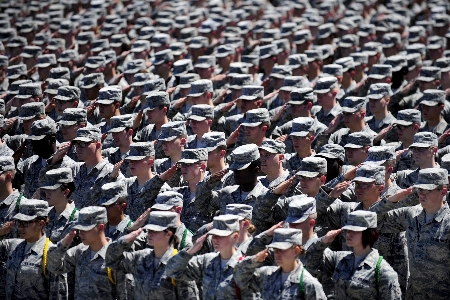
[354, 282]
[61, 224]
[116, 156]
[119, 230]
[388, 120]
[340, 137]
[326, 118]
[150, 282]
[147, 134]
[267, 280]
[25, 277]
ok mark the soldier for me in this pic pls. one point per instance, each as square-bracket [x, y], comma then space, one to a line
[361, 273]
[72, 119]
[379, 96]
[356, 149]
[67, 97]
[327, 89]
[302, 136]
[109, 100]
[213, 270]
[4, 149]
[432, 106]
[173, 139]
[201, 119]
[288, 279]
[272, 156]
[201, 93]
[93, 279]
[28, 275]
[121, 130]
[408, 123]
[335, 156]
[150, 266]
[256, 124]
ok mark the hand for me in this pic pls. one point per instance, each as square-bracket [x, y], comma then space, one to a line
[124, 54]
[60, 152]
[171, 90]
[169, 173]
[283, 187]
[138, 120]
[179, 103]
[401, 195]
[271, 230]
[134, 101]
[14, 60]
[37, 194]
[351, 174]
[228, 106]
[6, 228]
[19, 152]
[444, 136]
[141, 221]
[78, 71]
[31, 71]
[270, 96]
[50, 106]
[333, 124]
[382, 134]
[339, 189]
[104, 136]
[129, 238]
[197, 245]
[209, 226]
[330, 236]
[9, 123]
[218, 175]
[68, 239]
[116, 169]
[232, 139]
[260, 256]
[398, 154]
[360, 85]
[90, 108]
[276, 117]
[117, 79]
[282, 138]
[406, 90]
[126, 89]
[3, 96]
[265, 82]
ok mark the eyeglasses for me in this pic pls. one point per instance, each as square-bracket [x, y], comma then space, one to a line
[364, 185]
[419, 149]
[403, 127]
[186, 165]
[349, 114]
[295, 137]
[61, 102]
[25, 224]
[81, 144]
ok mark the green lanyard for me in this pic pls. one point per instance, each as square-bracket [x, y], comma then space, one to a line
[72, 215]
[18, 201]
[183, 240]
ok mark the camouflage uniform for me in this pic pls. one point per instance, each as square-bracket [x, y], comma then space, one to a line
[147, 134]
[61, 224]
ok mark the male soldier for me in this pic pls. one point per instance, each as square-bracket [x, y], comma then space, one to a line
[4, 149]
[156, 108]
[201, 93]
[432, 105]
[302, 135]
[72, 119]
[173, 139]
[109, 99]
[272, 156]
[92, 279]
[327, 89]
[201, 119]
[256, 123]
[122, 134]
[379, 96]
[408, 124]
[91, 172]
[356, 149]
[426, 227]
[67, 97]
[114, 199]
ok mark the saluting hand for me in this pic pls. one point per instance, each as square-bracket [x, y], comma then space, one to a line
[68, 239]
[61, 152]
[339, 189]
[141, 221]
[271, 230]
[330, 236]
[132, 236]
[197, 245]
[169, 173]
[261, 256]
[283, 187]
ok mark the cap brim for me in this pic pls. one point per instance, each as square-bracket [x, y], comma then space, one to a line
[428, 186]
[219, 232]
[51, 187]
[354, 228]
[299, 133]
[187, 161]
[349, 110]
[403, 123]
[68, 123]
[195, 95]
[36, 137]
[161, 207]
[117, 129]
[236, 167]
[82, 139]
[353, 146]
[280, 245]
[250, 98]
[426, 79]
[196, 118]
[254, 124]
[296, 220]
[104, 101]
[134, 157]
[83, 227]
[268, 149]
[377, 76]
[321, 91]
[167, 139]
[420, 145]
[363, 179]
[153, 227]
[371, 162]
[296, 102]
[63, 98]
[23, 96]
[307, 174]
[23, 217]
[327, 155]
[375, 96]
[430, 103]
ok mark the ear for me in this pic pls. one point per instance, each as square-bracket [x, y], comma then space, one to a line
[416, 126]
[311, 138]
[381, 188]
[258, 103]
[117, 105]
[130, 132]
[183, 141]
[444, 191]
[323, 179]
[75, 104]
[203, 166]
[98, 145]
[66, 192]
[222, 153]
[388, 80]
[438, 82]
[352, 73]
[281, 157]
[363, 113]
[274, 58]
[312, 222]
[209, 122]
[8, 177]
[123, 206]
[310, 105]
[264, 128]
[208, 95]
[101, 227]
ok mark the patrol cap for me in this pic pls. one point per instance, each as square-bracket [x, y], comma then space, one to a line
[120, 123]
[89, 217]
[299, 96]
[414, 60]
[41, 128]
[285, 238]
[200, 87]
[349, 40]
[297, 60]
[31, 110]
[196, 42]
[205, 62]
[140, 46]
[300, 208]
[201, 112]
[31, 51]
[172, 130]
[109, 95]
[436, 42]
[353, 104]
[141, 150]
[358, 140]
[397, 62]
[325, 30]
[431, 178]
[153, 85]
[312, 167]
[380, 154]
[327, 50]
[31, 209]
[6, 164]
[187, 79]
[379, 90]
[140, 79]
[72, 116]
[100, 45]
[156, 99]
[433, 97]
[59, 73]
[109, 55]
[429, 74]
[68, 93]
[239, 80]
[273, 146]
[302, 126]
[225, 225]
[332, 70]
[366, 30]
[160, 39]
[252, 92]
[224, 51]
[440, 20]
[381, 71]
[85, 37]
[31, 89]
[444, 64]
[117, 40]
[46, 60]
[41, 38]
[293, 82]
[238, 68]
[360, 58]
[55, 178]
[391, 39]
[370, 173]
[267, 51]
[252, 60]
[416, 33]
[212, 140]
[312, 55]
[182, 66]
[243, 156]
[88, 134]
[256, 117]
[163, 56]
[92, 80]
[360, 220]
[372, 48]
[17, 41]
[94, 62]
[281, 72]
[333, 151]
[302, 36]
[167, 200]
[161, 220]
[135, 66]
[445, 161]
[111, 192]
[424, 140]
[242, 211]
[190, 156]
[325, 84]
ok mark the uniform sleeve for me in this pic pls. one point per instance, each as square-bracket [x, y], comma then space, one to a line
[61, 260]
[247, 275]
[185, 267]
[208, 201]
[313, 288]
[319, 257]
[396, 220]
[389, 287]
[117, 256]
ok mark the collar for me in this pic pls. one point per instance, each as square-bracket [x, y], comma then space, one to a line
[123, 224]
[439, 216]
[335, 110]
[10, 199]
[167, 255]
[99, 166]
[39, 245]
[102, 251]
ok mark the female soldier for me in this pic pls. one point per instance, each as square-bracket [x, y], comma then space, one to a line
[214, 271]
[289, 279]
[58, 187]
[148, 266]
[361, 274]
[26, 258]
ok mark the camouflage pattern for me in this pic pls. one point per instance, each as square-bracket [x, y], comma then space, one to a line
[162, 56]
[438, 130]
[302, 126]
[326, 118]
[433, 97]
[380, 71]
[172, 130]
[108, 95]
[239, 80]
[46, 60]
[94, 62]
[88, 134]
[379, 155]
[72, 116]
[332, 70]
[147, 134]
[370, 173]
[201, 112]
[273, 146]
[91, 80]
[388, 120]
[332, 151]
[200, 87]
[359, 140]
[243, 156]
[424, 140]
[340, 137]
[61, 224]
[354, 282]
[150, 281]
[155, 99]
[154, 85]
[353, 104]
[189, 156]
[54, 84]
[212, 140]
[300, 95]
[24, 277]
[141, 150]
[431, 178]
[429, 74]
[167, 200]
[31, 110]
[119, 230]
[252, 92]
[41, 128]
[325, 84]
[111, 192]
[360, 220]
[224, 225]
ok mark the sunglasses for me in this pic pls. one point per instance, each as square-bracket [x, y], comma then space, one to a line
[81, 144]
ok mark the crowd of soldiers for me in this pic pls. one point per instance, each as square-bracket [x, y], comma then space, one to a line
[224, 149]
